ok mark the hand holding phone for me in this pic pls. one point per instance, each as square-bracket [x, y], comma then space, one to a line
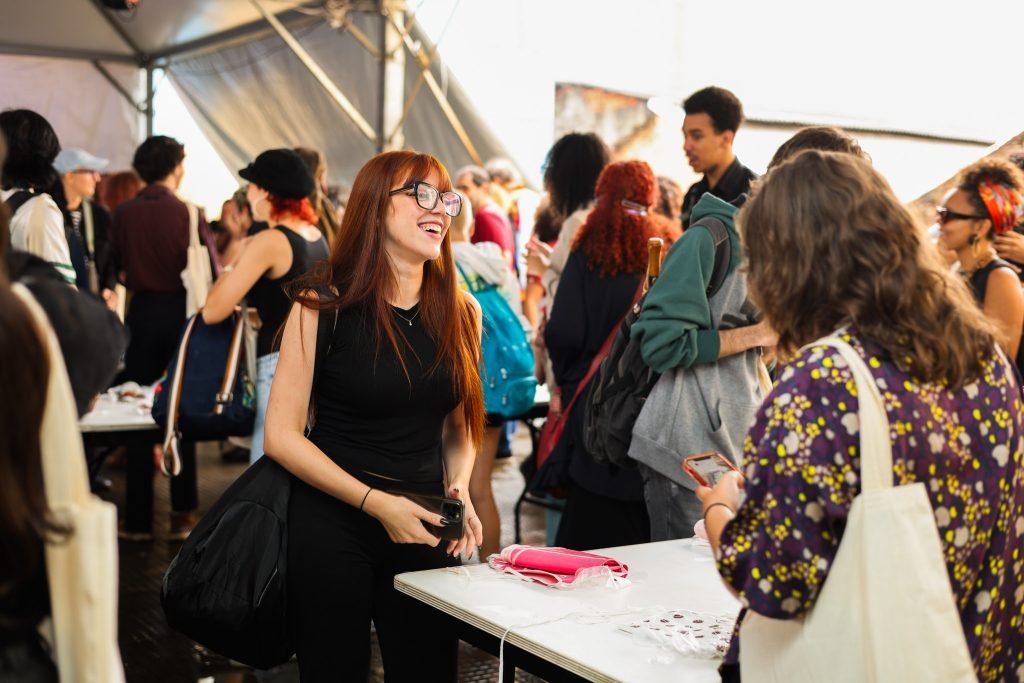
[451, 510]
[708, 469]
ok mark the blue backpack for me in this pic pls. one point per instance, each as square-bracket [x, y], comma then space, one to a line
[507, 367]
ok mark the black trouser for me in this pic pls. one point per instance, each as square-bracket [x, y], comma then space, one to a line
[139, 493]
[591, 521]
[341, 569]
[155, 321]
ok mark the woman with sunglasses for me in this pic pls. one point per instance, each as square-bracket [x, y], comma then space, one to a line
[399, 409]
[987, 202]
[279, 183]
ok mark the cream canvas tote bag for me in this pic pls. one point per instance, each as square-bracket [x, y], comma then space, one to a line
[886, 612]
[198, 274]
[82, 570]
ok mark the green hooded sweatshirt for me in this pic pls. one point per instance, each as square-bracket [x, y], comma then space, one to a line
[675, 327]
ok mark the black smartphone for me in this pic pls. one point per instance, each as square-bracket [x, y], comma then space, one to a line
[451, 510]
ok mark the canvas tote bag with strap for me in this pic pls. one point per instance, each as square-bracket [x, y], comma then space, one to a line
[198, 274]
[81, 570]
[886, 611]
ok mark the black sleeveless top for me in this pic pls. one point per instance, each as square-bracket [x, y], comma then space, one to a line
[372, 421]
[979, 279]
[268, 295]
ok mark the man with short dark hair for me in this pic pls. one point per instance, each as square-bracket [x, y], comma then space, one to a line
[490, 222]
[713, 115]
[151, 238]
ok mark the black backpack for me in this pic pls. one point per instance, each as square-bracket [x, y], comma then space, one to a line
[624, 381]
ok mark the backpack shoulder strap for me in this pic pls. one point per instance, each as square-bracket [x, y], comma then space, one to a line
[723, 251]
[17, 200]
[324, 339]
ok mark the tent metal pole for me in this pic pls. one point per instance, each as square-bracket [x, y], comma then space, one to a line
[325, 82]
[392, 91]
[140, 56]
[116, 85]
[60, 53]
[439, 95]
[149, 100]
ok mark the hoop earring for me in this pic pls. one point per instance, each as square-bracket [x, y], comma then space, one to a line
[976, 248]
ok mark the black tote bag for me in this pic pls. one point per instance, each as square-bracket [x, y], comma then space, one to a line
[225, 589]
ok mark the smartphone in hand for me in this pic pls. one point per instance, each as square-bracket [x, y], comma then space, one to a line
[451, 509]
[708, 468]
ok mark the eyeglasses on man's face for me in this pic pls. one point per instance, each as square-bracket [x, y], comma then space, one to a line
[427, 197]
[945, 215]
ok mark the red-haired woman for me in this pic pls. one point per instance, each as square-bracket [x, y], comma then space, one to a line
[399, 408]
[279, 183]
[605, 505]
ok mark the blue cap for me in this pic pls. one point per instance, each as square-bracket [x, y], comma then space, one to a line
[74, 159]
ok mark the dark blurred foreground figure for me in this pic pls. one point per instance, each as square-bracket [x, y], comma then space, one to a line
[949, 393]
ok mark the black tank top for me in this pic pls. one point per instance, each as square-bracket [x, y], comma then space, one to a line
[268, 295]
[979, 279]
[372, 421]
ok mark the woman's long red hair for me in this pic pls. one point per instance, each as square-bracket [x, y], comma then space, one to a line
[360, 271]
[614, 236]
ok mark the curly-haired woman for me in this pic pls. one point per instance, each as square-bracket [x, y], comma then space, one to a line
[605, 505]
[986, 204]
[950, 396]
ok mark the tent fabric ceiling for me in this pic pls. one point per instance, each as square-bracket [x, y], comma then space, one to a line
[155, 28]
[247, 90]
[258, 95]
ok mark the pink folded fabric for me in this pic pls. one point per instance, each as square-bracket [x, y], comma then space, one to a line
[555, 566]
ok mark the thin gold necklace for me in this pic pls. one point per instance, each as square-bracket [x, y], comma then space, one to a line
[408, 320]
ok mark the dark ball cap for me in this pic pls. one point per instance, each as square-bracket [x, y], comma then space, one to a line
[281, 172]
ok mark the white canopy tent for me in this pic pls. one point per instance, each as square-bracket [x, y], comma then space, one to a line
[348, 77]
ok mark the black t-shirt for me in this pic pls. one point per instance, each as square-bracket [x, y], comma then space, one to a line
[372, 420]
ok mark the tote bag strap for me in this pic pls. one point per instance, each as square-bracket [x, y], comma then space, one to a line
[170, 463]
[193, 225]
[875, 443]
[63, 457]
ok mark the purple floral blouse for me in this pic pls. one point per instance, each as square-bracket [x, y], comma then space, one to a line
[802, 469]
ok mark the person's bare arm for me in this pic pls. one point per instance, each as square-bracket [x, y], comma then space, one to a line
[1004, 305]
[741, 339]
[263, 254]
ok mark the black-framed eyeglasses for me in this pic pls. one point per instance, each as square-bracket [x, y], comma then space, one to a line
[945, 216]
[427, 197]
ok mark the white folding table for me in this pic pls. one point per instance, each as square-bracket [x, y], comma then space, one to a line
[577, 634]
[112, 414]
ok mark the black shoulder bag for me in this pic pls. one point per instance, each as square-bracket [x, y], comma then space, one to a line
[226, 588]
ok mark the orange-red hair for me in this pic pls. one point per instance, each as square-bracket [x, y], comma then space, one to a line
[360, 270]
[614, 236]
[289, 206]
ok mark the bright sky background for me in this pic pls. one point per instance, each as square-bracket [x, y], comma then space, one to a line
[935, 66]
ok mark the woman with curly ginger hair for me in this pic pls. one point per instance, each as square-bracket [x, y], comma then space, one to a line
[832, 250]
[605, 505]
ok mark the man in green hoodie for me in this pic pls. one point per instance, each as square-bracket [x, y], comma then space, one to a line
[708, 350]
